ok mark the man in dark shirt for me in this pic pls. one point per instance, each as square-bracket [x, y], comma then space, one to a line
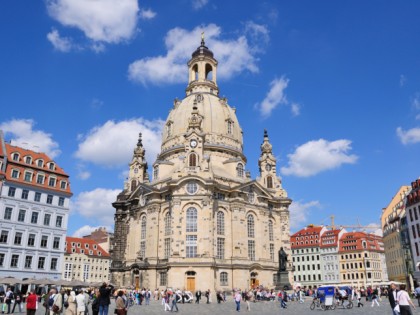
[197, 296]
[392, 297]
[104, 298]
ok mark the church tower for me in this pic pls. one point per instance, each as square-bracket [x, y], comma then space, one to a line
[201, 221]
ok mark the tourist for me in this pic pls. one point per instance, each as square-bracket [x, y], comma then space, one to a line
[174, 298]
[104, 298]
[165, 299]
[375, 297]
[31, 302]
[71, 300]
[120, 304]
[359, 298]
[81, 303]
[197, 297]
[208, 296]
[9, 298]
[18, 301]
[392, 297]
[238, 298]
[404, 301]
[417, 292]
[247, 297]
[95, 302]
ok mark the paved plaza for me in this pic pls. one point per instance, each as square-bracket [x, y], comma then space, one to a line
[260, 308]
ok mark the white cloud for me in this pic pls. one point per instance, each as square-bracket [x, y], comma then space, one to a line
[62, 44]
[24, 135]
[317, 156]
[409, 136]
[403, 79]
[112, 143]
[107, 21]
[416, 102]
[198, 4]
[299, 212]
[147, 14]
[295, 108]
[234, 56]
[87, 230]
[257, 32]
[97, 204]
[275, 96]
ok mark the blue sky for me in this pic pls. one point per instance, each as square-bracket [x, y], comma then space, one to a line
[337, 85]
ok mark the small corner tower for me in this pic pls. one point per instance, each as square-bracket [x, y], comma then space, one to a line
[202, 69]
[138, 167]
[267, 165]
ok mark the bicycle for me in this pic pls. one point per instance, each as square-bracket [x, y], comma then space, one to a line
[317, 303]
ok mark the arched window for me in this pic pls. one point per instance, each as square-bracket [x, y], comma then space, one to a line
[15, 157]
[194, 73]
[143, 228]
[223, 278]
[156, 172]
[251, 225]
[192, 160]
[270, 231]
[191, 220]
[209, 72]
[240, 170]
[220, 223]
[168, 224]
[229, 127]
[269, 182]
[133, 185]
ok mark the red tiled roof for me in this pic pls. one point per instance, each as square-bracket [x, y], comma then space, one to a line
[307, 237]
[329, 238]
[353, 241]
[21, 166]
[98, 252]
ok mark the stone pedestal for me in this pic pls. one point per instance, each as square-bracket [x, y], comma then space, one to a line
[282, 280]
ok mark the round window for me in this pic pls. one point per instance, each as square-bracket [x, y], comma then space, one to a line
[192, 188]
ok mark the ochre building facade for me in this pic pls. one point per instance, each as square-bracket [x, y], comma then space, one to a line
[201, 221]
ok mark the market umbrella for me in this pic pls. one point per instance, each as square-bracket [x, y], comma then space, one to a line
[10, 280]
[29, 281]
[44, 281]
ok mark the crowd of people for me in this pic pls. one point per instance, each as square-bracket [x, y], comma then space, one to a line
[96, 301]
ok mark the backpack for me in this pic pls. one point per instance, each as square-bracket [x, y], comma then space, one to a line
[50, 301]
[18, 298]
[11, 296]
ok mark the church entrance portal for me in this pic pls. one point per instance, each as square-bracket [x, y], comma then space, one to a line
[254, 280]
[191, 281]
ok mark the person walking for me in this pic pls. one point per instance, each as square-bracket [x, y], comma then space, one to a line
[95, 302]
[404, 301]
[71, 300]
[174, 298]
[417, 291]
[359, 298]
[9, 298]
[104, 298]
[120, 304]
[166, 299]
[247, 298]
[392, 297]
[238, 298]
[197, 297]
[18, 301]
[375, 297]
[31, 301]
[57, 302]
[208, 296]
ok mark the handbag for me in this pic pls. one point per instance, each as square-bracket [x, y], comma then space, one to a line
[397, 308]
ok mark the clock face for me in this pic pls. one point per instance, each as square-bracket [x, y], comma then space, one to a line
[193, 143]
[268, 167]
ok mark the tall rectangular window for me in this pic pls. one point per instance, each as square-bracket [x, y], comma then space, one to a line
[53, 265]
[41, 262]
[11, 192]
[21, 216]
[163, 279]
[51, 182]
[63, 185]
[37, 197]
[61, 201]
[18, 238]
[56, 243]
[167, 252]
[31, 240]
[47, 219]
[2, 259]
[28, 177]
[25, 194]
[28, 262]
[143, 249]
[49, 199]
[272, 252]
[34, 217]
[191, 246]
[220, 248]
[59, 221]
[40, 179]
[67, 271]
[15, 174]
[44, 241]
[8, 213]
[15, 261]
[3, 237]
[251, 249]
[86, 269]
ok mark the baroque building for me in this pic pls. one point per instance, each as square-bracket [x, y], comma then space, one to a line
[413, 222]
[34, 208]
[201, 221]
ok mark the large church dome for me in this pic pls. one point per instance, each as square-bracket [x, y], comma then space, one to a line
[218, 120]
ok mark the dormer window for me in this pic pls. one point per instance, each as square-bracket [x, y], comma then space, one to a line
[28, 160]
[63, 184]
[15, 157]
[15, 174]
[86, 245]
[51, 166]
[40, 163]
[51, 182]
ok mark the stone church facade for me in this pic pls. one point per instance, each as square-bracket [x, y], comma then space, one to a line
[201, 221]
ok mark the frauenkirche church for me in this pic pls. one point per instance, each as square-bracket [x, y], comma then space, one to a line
[201, 222]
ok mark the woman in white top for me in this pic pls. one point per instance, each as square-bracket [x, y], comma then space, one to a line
[404, 301]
